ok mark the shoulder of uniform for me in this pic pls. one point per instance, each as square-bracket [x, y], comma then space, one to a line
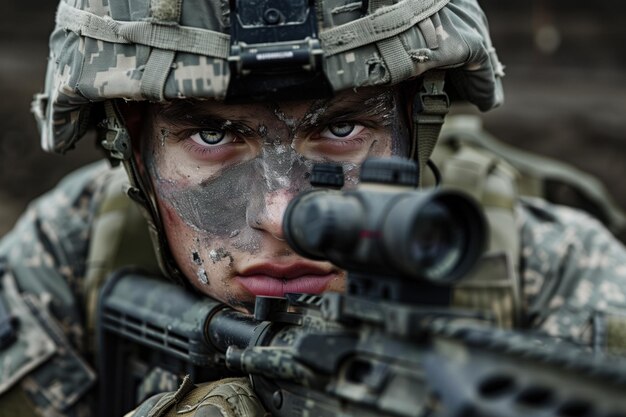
[40, 370]
[54, 230]
[77, 194]
[43, 262]
[72, 198]
[574, 275]
[564, 242]
[535, 212]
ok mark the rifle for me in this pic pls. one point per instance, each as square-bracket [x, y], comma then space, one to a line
[390, 346]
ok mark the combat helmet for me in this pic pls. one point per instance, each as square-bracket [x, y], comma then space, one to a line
[102, 51]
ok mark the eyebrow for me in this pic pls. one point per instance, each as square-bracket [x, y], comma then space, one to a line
[190, 114]
[322, 112]
[190, 111]
[381, 106]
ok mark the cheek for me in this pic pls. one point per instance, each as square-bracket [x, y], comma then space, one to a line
[216, 208]
[385, 146]
[170, 218]
[206, 261]
[178, 234]
[165, 158]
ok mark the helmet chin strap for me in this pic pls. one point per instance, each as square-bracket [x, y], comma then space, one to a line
[116, 140]
[430, 106]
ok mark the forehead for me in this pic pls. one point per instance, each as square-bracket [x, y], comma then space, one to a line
[367, 100]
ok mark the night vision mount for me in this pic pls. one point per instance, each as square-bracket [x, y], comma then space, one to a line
[275, 52]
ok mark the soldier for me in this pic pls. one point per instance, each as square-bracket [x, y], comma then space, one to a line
[218, 133]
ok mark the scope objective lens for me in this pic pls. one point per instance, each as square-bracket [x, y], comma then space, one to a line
[435, 241]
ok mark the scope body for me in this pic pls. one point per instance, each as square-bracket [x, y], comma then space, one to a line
[433, 235]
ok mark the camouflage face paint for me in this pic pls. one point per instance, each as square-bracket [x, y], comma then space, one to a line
[200, 271]
[223, 175]
[386, 108]
[389, 105]
[224, 205]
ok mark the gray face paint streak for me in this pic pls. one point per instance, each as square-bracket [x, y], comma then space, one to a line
[289, 122]
[201, 272]
[236, 198]
[213, 206]
[231, 204]
[313, 114]
[382, 105]
[219, 254]
[279, 165]
[202, 276]
[164, 135]
[388, 106]
[400, 128]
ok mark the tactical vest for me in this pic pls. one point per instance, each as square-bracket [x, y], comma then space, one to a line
[539, 176]
[493, 286]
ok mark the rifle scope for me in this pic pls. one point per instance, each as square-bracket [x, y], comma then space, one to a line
[387, 227]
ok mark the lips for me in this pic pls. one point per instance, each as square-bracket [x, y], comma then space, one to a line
[276, 280]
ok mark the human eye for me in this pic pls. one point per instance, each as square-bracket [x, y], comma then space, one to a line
[213, 143]
[339, 139]
[212, 137]
[342, 130]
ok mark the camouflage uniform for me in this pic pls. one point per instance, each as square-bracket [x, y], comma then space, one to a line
[574, 283]
[44, 262]
[160, 50]
[573, 275]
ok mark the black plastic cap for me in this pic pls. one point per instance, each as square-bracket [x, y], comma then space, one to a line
[394, 170]
[327, 176]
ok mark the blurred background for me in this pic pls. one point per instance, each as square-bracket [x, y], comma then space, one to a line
[565, 91]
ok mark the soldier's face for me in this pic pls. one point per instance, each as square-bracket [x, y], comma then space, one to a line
[223, 175]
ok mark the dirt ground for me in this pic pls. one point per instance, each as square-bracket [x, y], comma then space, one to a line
[565, 92]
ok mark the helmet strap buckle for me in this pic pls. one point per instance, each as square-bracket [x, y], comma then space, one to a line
[430, 107]
[116, 139]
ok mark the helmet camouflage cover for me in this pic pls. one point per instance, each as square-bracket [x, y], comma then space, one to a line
[161, 50]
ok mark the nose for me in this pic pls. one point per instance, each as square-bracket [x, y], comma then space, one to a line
[269, 216]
